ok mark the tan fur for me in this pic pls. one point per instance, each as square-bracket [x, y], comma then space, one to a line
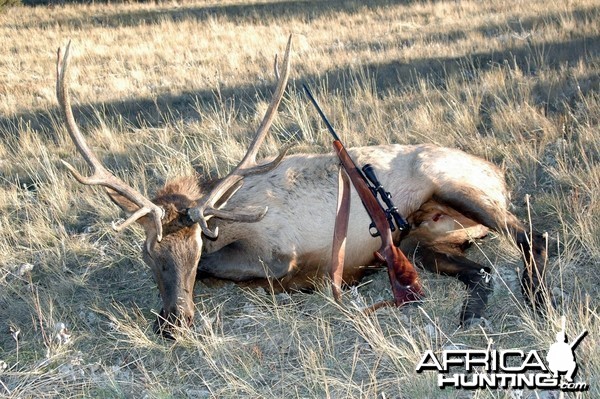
[296, 234]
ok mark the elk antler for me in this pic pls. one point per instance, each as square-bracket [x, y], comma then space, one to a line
[100, 175]
[205, 208]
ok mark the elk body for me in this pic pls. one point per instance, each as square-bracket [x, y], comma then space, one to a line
[450, 198]
[273, 223]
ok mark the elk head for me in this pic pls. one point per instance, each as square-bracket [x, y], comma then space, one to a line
[177, 218]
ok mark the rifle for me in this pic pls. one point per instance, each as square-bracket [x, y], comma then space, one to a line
[402, 274]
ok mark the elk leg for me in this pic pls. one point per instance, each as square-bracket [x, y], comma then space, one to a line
[234, 262]
[533, 249]
[475, 276]
[495, 216]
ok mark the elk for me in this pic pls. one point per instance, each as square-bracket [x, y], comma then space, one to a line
[272, 223]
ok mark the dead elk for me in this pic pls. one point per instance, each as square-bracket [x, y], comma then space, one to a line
[449, 197]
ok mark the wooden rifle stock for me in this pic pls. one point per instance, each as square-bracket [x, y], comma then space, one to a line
[402, 274]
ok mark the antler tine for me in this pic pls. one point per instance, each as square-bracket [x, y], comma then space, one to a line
[100, 175]
[276, 67]
[250, 157]
[204, 210]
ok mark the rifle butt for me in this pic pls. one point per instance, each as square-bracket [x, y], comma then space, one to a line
[404, 279]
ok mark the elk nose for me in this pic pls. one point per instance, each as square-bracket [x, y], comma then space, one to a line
[167, 323]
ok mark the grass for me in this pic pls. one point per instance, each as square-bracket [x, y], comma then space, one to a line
[169, 89]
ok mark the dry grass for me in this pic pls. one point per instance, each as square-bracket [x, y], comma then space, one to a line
[172, 89]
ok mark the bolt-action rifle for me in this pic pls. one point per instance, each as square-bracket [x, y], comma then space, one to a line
[402, 274]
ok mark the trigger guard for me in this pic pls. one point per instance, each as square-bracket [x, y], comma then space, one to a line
[373, 231]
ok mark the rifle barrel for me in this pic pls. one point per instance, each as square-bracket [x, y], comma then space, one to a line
[316, 104]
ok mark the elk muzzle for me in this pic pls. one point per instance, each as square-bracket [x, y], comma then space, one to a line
[167, 322]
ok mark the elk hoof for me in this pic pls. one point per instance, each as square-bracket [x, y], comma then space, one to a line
[475, 322]
[162, 329]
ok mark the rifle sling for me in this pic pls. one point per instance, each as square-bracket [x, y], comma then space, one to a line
[340, 232]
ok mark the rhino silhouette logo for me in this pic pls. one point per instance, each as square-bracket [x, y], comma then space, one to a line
[561, 355]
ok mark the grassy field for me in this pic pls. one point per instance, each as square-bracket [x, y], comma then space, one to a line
[171, 89]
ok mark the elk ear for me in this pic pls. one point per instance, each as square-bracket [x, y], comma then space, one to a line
[121, 201]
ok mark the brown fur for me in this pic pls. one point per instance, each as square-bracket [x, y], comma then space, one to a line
[186, 186]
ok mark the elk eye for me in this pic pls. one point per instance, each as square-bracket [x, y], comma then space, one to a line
[184, 217]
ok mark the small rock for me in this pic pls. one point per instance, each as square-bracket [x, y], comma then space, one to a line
[65, 369]
[24, 269]
[451, 347]
[516, 394]
[91, 317]
[61, 333]
[283, 298]
[547, 395]
[249, 309]
[94, 367]
[476, 322]
[430, 330]
[197, 393]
